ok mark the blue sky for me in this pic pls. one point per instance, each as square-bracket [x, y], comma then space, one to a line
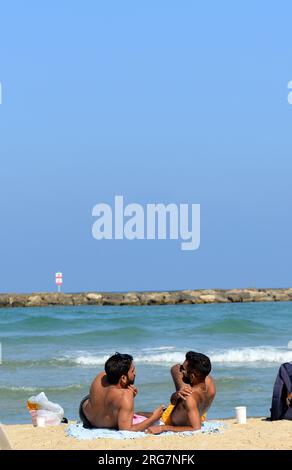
[159, 102]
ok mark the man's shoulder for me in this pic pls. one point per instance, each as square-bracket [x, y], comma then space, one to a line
[122, 394]
[209, 380]
[127, 394]
[122, 398]
[96, 384]
[98, 378]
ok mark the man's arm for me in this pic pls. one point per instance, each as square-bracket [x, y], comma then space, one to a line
[182, 393]
[177, 377]
[126, 414]
[182, 390]
[211, 392]
[193, 418]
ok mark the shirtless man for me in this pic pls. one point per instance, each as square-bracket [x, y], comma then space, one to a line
[183, 390]
[110, 403]
[195, 393]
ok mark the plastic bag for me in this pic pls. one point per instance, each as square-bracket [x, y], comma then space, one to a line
[40, 406]
[50, 419]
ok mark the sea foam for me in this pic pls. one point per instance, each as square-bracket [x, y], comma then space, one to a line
[262, 354]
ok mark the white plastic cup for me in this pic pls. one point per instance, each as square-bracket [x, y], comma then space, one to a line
[240, 412]
[41, 422]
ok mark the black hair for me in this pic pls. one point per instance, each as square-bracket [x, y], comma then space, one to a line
[116, 366]
[198, 362]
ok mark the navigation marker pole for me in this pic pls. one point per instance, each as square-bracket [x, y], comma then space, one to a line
[59, 281]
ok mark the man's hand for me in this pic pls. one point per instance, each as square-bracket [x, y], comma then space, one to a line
[158, 413]
[133, 389]
[154, 430]
[184, 392]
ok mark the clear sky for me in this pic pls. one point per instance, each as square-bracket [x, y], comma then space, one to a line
[158, 101]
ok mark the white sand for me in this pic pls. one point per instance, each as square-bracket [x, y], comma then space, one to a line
[256, 434]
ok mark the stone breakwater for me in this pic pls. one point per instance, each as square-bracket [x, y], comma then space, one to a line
[211, 296]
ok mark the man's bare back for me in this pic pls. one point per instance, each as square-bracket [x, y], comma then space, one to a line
[110, 403]
[105, 400]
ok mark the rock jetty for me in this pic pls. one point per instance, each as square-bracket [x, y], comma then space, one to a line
[210, 296]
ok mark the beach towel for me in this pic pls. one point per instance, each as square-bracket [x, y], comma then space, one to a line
[80, 433]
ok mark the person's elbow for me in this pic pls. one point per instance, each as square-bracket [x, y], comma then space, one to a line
[174, 369]
[126, 428]
[196, 428]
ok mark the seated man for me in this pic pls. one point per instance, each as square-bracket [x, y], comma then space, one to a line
[195, 393]
[110, 403]
[183, 390]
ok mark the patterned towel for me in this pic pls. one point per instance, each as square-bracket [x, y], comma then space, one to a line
[82, 434]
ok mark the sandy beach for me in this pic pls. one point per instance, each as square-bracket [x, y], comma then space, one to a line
[256, 434]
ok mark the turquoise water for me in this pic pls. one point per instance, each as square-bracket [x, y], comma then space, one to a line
[59, 350]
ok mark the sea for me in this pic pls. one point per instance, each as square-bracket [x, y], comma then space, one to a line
[59, 350]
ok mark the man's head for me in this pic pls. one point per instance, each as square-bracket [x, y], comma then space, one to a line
[120, 369]
[195, 368]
